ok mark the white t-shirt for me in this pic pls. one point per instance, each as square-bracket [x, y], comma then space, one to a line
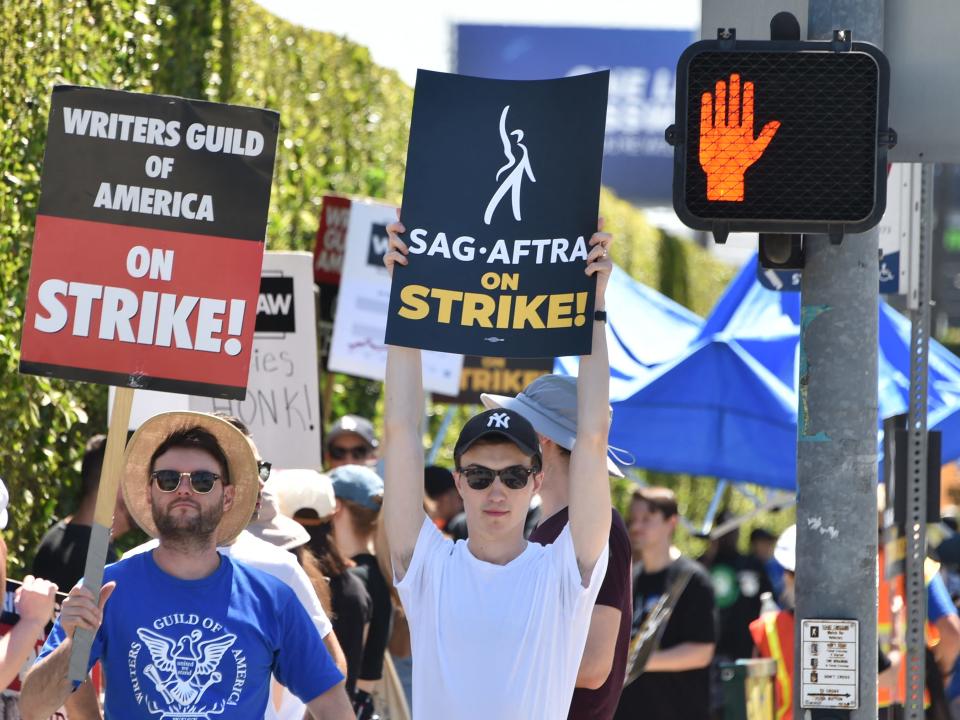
[496, 641]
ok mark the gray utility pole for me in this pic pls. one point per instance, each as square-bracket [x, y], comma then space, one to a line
[837, 529]
[915, 521]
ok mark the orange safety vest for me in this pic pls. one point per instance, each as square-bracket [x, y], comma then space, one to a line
[773, 635]
[887, 591]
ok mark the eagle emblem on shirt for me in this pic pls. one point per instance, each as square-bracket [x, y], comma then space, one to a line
[182, 670]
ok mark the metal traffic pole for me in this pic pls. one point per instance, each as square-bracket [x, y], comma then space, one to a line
[837, 423]
[916, 500]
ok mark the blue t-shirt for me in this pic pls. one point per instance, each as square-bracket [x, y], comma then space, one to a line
[939, 603]
[175, 648]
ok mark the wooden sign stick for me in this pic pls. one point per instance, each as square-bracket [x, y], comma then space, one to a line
[102, 521]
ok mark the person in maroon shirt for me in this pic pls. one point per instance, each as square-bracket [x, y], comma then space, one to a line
[550, 404]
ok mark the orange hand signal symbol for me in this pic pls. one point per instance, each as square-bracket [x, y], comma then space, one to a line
[727, 147]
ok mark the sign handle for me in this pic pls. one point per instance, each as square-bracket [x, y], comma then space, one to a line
[102, 521]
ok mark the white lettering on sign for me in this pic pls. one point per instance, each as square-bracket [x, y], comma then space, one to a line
[330, 255]
[641, 101]
[151, 201]
[186, 322]
[155, 131]
[119, 126]
[158, 263]
[274, 304]
[546, 250]
[215, 138]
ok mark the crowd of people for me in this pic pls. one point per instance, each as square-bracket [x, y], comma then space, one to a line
[505, 587]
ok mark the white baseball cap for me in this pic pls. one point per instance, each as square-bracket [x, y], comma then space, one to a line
[785, 552]
[302, 489]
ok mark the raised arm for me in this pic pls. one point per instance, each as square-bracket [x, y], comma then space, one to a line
[403, 456]
[589, 482]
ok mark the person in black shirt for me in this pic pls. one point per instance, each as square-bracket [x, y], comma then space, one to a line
[359, 493]
[675, 682]
[61, 555]
[738, 582]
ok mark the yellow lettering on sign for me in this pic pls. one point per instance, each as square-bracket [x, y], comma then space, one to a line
[415, 307]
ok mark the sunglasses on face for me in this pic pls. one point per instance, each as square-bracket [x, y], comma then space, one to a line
[358, 452]
[202, 481]
[479, 477]
[263, 469]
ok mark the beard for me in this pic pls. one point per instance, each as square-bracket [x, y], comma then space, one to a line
[193, 530]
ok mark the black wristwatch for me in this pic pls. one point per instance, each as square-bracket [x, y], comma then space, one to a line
[600, 315]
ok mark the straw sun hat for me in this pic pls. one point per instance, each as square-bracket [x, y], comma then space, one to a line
[241, 463]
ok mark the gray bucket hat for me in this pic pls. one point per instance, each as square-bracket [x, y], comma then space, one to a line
[550, 404]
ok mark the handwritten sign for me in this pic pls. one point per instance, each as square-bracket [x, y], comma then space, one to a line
[357, 347]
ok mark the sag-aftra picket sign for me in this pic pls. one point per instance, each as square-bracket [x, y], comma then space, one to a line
[501, 197]
[149, 241]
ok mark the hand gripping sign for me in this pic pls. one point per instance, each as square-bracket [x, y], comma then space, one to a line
[146, 259]
[500, 200]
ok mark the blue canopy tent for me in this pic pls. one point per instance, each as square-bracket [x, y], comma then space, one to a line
[714, 411]
[644, 330]
[727, 407]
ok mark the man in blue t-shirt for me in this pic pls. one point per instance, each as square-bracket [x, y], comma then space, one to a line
[189, 632]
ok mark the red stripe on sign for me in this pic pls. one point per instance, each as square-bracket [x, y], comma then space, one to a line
[141, 302]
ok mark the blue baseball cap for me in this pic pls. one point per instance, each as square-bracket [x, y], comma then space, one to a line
[359, 484]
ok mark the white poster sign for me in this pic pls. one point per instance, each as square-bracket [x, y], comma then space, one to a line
[900, 232]
[282, 407]
[357, 347]
[829, 653]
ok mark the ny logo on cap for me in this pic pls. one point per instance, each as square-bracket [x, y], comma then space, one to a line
[500, 420]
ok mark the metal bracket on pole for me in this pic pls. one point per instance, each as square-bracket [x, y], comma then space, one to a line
[714, 506]
[916, 500]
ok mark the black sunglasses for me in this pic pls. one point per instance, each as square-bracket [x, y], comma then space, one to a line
[202, 481]
[263, 469]
[514, 477]
[358, 452]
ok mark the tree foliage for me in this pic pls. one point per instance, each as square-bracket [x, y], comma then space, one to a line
[43, 423]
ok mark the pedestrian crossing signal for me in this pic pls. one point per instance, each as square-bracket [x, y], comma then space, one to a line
[781, 136]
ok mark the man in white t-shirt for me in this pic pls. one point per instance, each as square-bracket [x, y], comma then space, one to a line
[498, 624]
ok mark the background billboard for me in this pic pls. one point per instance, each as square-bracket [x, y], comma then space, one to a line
[637, 162]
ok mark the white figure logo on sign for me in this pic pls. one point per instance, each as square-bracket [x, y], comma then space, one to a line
[512, 181]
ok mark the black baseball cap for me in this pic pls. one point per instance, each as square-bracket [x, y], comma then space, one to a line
[499, 422]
